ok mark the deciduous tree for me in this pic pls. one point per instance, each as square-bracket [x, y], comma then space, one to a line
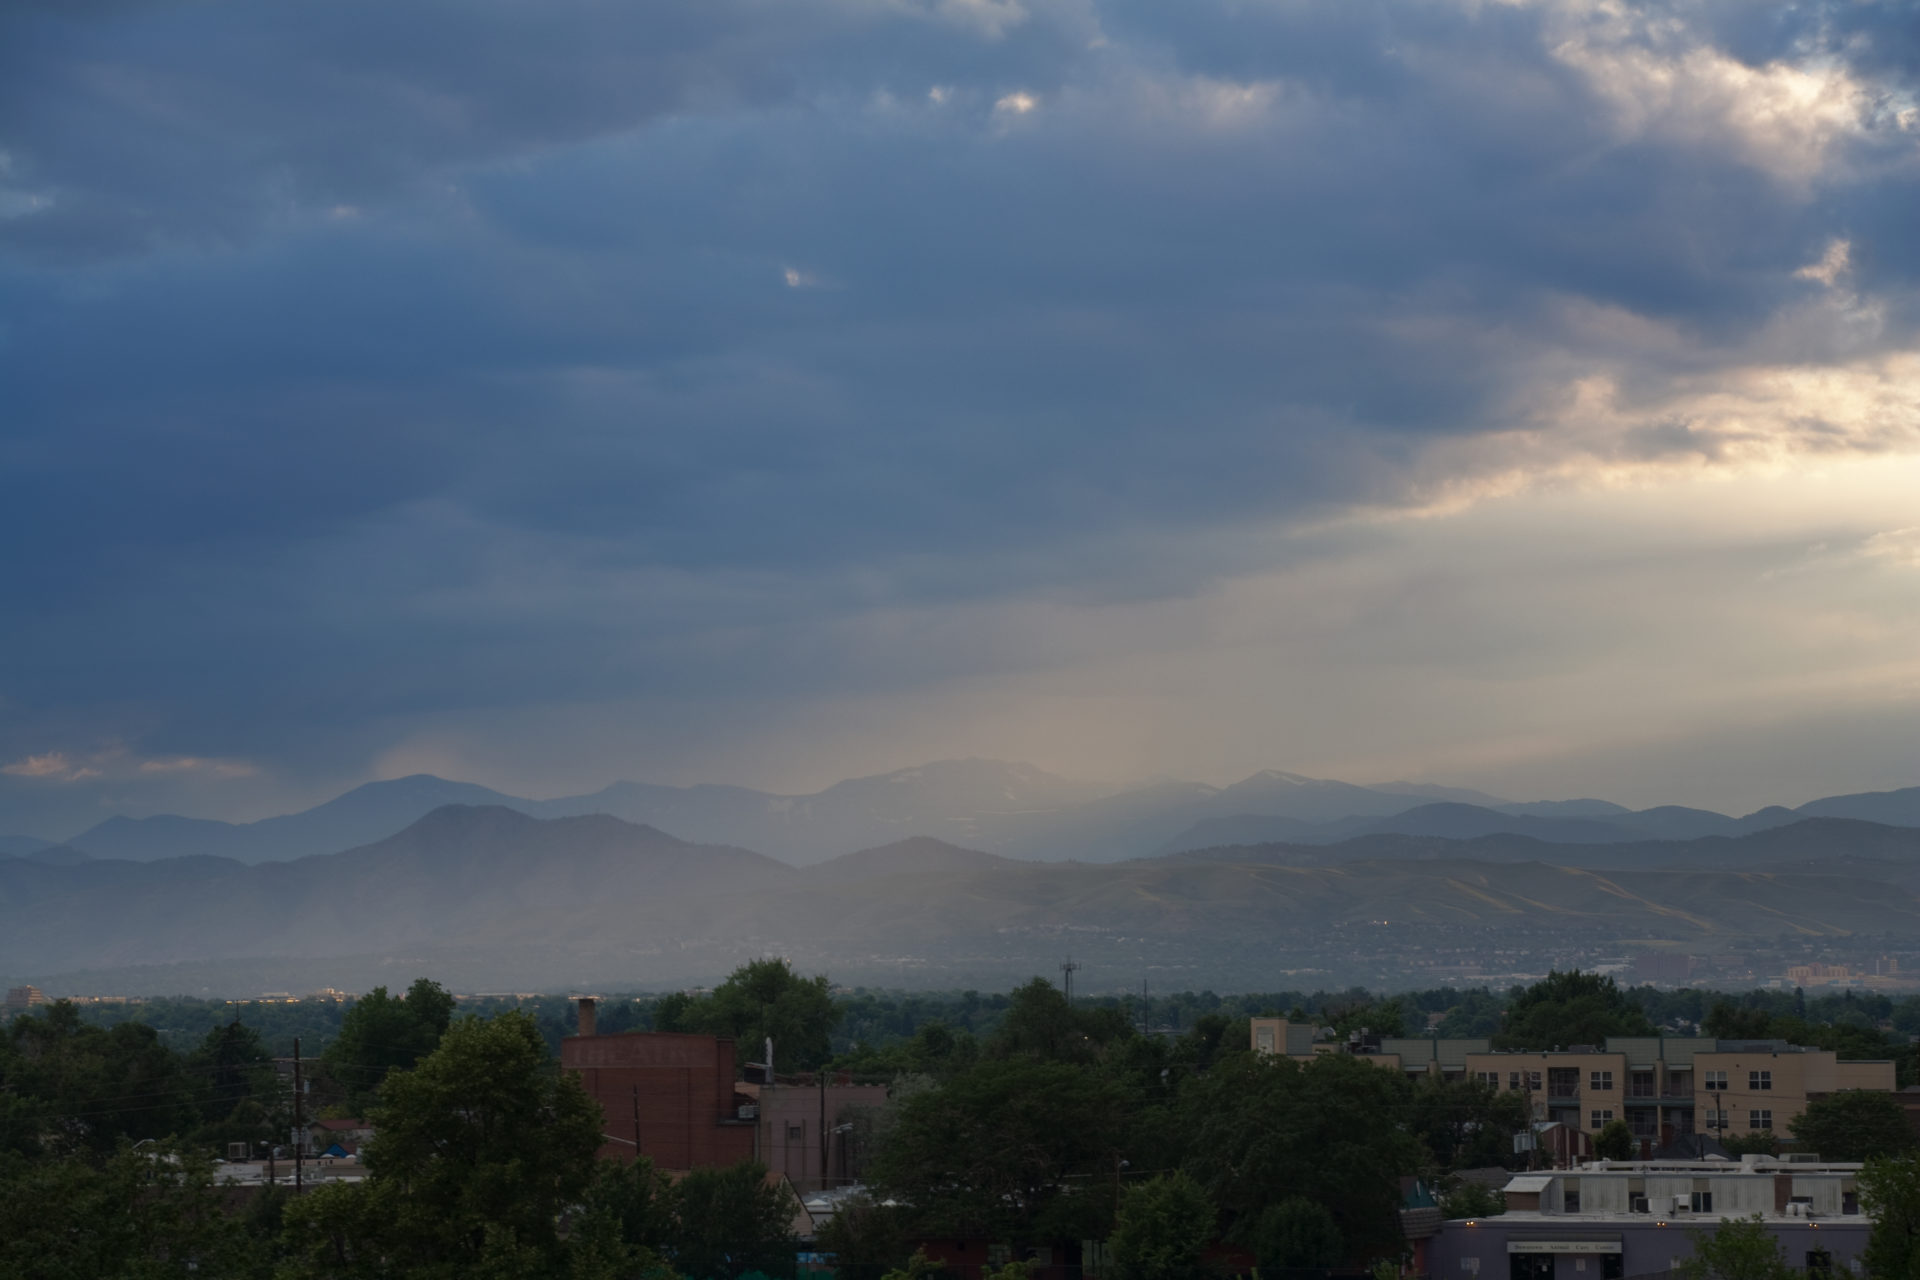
[477, 1152]
[1739, 1249]
[1854, 1124]
[1890, 1193]
[1570, 1008]
[1162, 1230]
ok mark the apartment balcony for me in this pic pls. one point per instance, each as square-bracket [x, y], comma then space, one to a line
[1563, 1093]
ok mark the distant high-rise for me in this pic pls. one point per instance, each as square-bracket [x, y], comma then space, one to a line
[21, 999]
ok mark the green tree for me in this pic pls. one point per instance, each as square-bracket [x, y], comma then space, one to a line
[478, 1150]
[1040, 1024]
[1296, 1233]
[1260, 1130]
[149, 1213]
[382, 1033]
[1016, 1150]
[1854, 1124]
[1615, 1141]
[765, 998]
[731, 1221]
[1729, 1021]
[867, 1238]
[1476, 1016]
[1375, 1017]
[1471, 1200]
[66, 1086]
[1759, 1142]
[1570, 1008]
[240, 1098]
[1739, 1249]
[1465, 1124]
[1890, 1194]
[1162, 1229]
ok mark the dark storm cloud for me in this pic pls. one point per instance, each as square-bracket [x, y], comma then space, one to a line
[369, 360]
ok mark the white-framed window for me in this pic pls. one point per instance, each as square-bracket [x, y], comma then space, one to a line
[1758, 1120]
[1701, 1201]
[1714, 1081]
[1713, 1119]
[1491, 1079]
[1513, 1080]
[1759, 1080]
[1600, 1081]
[1533, 1081]
[1600, 1119]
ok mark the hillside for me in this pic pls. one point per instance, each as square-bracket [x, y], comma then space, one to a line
[485, 896]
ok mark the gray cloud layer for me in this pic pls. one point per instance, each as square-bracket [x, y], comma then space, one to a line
[377, 367]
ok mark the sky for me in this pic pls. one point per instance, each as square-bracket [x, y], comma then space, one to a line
[1520, 394]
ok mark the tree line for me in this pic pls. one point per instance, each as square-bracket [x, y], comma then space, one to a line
[1030, 1121]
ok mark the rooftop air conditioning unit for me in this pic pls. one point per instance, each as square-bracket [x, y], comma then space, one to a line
[1682, 1204]
[237, 1151]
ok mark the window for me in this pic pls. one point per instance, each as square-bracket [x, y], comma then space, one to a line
[1700, 1201]
[1849, 1202]
[1533, 1081]
[1714, 1080]
[1570, 1198]
[1714, 1119]
[1758, 1080]
[1563, 1082]
[796, 1132]
[1757, 1120]
[1600, 1119]
[1600, 1081]
[1513, 1079]
[1491, 1079]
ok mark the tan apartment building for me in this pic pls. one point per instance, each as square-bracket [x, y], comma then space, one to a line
[1664, 1087]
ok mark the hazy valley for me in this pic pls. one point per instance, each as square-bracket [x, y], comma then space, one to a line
[489, 895]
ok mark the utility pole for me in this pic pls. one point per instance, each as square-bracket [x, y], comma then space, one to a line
[825, 1139]
[1066, 978]
[299, 1123]
[1146, 1025]
[636, 1122]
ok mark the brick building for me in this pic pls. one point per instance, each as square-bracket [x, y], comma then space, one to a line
[676, 1099]
[669, 1095]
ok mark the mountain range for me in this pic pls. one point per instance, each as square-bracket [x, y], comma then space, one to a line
[1014, 810]
[486, 897]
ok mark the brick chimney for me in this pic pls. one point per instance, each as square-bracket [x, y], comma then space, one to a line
[586, 1016]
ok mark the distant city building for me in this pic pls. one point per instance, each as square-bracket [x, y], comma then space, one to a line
[1607, 1220]
[1664, 1087]
[21, 999]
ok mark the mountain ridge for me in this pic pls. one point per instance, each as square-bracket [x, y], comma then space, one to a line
[1012, 809]
[486, 897]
